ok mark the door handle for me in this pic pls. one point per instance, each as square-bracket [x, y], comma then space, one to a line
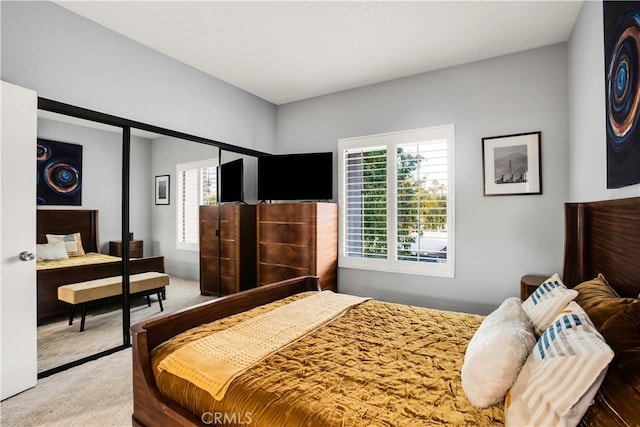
[26, 256]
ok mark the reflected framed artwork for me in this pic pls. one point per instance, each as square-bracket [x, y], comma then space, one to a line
[511, 164]
[59, 173]
[162, 190]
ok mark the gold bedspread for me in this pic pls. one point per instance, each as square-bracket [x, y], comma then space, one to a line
[380, 364]
[74, 261]
[213, 362]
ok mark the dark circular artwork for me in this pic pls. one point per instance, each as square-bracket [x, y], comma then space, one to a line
[59, 176]
[622, 73]
[62, 177]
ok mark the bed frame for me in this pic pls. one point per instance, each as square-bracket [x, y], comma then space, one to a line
[150, 407]
[604, 237]
[599, 237]
[67, 221]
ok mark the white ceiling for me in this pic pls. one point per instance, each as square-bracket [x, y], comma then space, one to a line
[285, 51]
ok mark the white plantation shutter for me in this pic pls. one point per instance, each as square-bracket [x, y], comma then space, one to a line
[196, 186]
[365, 196]
[396, 201]
[422, 202]
[188, 206]
[208, 185]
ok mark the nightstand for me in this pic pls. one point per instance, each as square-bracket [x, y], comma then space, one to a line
[529, 283]
[135, 248]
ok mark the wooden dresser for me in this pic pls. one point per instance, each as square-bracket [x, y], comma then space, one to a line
[297, 239]
[227, 253]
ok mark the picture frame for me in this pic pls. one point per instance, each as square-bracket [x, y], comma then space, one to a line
[162, 190]
[511, 164]
[622, 125]
[59, 169]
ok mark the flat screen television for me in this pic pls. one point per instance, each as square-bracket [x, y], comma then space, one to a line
[230, 181]
[307, 176]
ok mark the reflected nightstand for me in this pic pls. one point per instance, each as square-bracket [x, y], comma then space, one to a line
[135, 248]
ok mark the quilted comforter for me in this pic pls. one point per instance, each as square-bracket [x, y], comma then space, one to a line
[379, 364]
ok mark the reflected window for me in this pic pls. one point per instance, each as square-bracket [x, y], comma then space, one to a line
[196, 186]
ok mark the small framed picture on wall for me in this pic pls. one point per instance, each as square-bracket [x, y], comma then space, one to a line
[162, 190]
[511, 164]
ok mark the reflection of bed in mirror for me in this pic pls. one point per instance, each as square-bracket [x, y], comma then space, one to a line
[52, 274]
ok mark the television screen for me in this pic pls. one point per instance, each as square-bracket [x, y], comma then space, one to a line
[230, 181]
[306, 176]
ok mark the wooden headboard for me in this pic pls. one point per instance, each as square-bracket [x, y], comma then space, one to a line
[604, 237]
[68, 221]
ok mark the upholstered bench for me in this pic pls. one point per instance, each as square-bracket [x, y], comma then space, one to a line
[92, 290]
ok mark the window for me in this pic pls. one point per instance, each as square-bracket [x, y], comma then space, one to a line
[396, 201]
[196, 186]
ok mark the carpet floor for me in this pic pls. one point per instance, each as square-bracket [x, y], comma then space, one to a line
[97, 393]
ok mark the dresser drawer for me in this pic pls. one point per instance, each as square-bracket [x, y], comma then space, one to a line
[274, 273]
[290, 255]
[293, 234]
[285, 212]
[228, 249]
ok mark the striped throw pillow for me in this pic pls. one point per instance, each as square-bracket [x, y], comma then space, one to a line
[546, 301]
[562, 373]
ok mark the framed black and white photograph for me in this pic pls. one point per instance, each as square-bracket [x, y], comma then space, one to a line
[162, 190]
[511, 164]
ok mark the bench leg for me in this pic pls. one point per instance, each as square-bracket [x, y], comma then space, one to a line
[160, 301]
[73, 310]
[148, 300]
[84, 314]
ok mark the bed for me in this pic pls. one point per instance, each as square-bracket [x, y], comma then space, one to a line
[51, 275]
[317, 380]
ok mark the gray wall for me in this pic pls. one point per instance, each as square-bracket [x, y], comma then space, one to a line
[498, 239]
[70, 59]
[588, 156]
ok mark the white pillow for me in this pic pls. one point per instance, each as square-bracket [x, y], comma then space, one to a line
[546, 301]
[72, 242]
[51, 251]
[562, 374]
[496, 354]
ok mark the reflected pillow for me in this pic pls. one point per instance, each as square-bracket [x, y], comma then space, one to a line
[51, 251]
[72, 242]
[546, 301]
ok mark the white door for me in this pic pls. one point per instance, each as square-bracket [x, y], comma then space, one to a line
[19, 121]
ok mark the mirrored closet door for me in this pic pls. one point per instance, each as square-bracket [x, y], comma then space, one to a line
[124, 200]
[180, 176]
[79, 188]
